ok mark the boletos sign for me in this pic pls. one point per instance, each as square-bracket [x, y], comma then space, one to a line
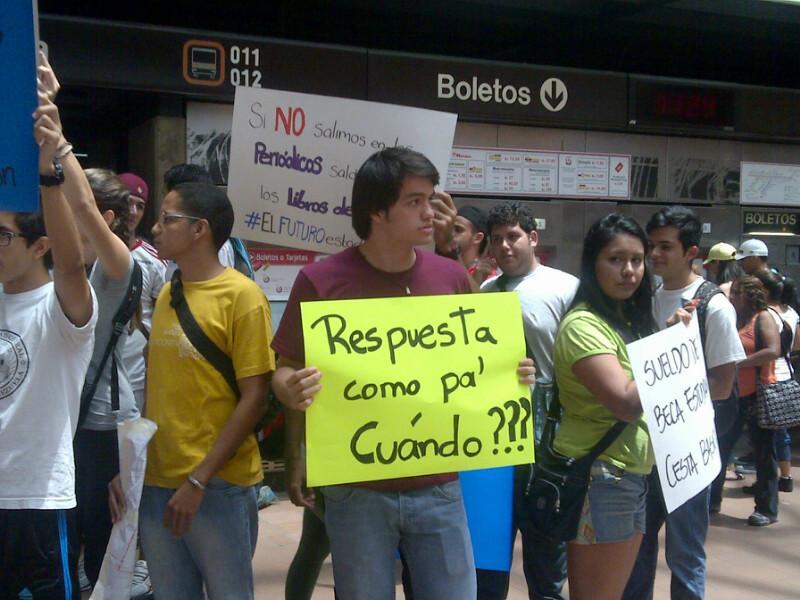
[670, 373]
[415, 386]
[294, 157]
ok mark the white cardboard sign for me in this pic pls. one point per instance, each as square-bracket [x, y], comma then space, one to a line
[670, 373]
[294, 157]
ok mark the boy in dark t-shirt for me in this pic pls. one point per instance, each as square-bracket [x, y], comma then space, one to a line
[393, 193]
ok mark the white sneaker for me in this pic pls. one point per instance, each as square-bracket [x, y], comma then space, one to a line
[141, 587]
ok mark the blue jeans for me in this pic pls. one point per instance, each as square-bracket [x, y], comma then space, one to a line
[766, 484]
[429, 526]
[216, 551]
[728, 421]
[614, 508]
[783, 445]
[685, 551]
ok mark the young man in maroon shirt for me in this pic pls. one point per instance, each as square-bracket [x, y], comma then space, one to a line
[423, 516]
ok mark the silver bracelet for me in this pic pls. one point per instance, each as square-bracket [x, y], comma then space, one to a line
[63, 150]
[196, 483]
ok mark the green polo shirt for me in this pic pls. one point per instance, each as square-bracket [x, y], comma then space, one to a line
[585, 420]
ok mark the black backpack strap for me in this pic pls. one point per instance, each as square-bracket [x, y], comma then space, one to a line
[502, 282]
[786, 337]
[757, 335]
[705, 292]
[125, 312]
[210, 351]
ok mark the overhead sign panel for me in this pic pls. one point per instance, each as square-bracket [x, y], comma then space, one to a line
[770, 222]
[499, 91]
[199, 63]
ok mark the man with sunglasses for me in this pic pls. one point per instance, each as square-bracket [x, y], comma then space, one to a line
[198, 516]
[46, 338]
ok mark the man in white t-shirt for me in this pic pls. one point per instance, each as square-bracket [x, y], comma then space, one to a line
[545, 295]
[46, 340]
[154, 273]
[675, 234]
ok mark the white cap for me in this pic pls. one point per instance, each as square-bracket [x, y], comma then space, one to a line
[752, 247]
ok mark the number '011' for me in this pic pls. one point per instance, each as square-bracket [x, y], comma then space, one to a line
[247, 56]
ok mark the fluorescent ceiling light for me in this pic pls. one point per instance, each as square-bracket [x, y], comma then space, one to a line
[772, 233]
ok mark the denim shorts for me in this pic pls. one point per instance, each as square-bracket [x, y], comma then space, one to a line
[614, 509]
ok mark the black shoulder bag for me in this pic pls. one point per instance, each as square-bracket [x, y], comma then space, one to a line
[210, 351]
[556, 492]
[777, 404]
[125, 312]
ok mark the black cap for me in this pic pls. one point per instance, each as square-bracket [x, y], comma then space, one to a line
[476, 216]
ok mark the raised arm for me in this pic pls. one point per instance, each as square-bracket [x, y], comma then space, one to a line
[111, 251]
[69, 274]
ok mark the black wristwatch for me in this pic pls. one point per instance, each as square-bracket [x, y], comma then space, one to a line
[57, 178]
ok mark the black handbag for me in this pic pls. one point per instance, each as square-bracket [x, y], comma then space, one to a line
[777, 404]
[556, 491]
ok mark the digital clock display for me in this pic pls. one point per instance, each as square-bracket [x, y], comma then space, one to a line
[661, 104]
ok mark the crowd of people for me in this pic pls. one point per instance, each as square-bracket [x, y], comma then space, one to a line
[99, 327]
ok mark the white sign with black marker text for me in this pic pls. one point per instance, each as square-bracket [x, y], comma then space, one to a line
[670, 373]
[294, 157]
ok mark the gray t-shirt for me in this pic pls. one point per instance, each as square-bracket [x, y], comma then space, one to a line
[109, 294]
[545, 295]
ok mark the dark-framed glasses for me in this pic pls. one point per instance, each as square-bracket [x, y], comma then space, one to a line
[6, 237]
[165, 218]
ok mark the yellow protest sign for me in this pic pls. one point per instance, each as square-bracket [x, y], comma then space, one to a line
[415, 386]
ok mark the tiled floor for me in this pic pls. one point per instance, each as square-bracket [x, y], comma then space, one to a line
[743, 562]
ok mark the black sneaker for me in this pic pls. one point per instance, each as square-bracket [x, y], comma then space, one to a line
[786, 484]
[759, 520]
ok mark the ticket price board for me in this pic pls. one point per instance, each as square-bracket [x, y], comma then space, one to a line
[538, 173]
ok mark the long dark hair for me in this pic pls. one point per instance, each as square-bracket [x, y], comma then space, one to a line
[637, 310]
[728, 271]
[789, 295]
[111, 194]
[773, 284]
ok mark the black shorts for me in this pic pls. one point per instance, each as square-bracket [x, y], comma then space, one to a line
[38, 551]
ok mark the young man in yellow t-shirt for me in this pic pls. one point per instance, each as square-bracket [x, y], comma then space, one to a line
[198, 513]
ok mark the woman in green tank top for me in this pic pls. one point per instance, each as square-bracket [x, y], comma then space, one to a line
[611, 308]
